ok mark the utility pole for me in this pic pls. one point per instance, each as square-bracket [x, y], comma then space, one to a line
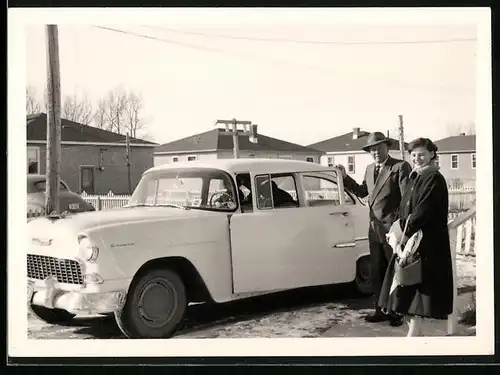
[401, 138]
[248, 129]
[53, 122]
[127, 141]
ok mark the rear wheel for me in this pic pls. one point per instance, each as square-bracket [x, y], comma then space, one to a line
[155, 305]
[363, 281]
[51, 316]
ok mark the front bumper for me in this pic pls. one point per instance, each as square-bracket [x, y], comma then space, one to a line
[51, 295]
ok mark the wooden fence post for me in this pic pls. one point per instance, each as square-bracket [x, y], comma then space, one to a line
[99, 203]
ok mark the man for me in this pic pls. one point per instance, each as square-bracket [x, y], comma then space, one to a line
[384, 183]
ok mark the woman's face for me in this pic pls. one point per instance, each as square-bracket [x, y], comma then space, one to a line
[420, 156]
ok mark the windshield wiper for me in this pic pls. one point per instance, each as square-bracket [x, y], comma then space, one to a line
[173, 205]
[158, 205]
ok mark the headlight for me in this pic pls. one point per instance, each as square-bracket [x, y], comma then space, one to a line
[88, 251]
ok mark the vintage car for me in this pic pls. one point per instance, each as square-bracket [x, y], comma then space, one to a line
[190, 234]
[68, 200]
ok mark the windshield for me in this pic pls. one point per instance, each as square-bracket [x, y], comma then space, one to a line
[186, 188]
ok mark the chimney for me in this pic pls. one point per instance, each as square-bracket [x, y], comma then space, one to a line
[355, 133]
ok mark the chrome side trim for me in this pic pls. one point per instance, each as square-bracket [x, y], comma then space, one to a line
[348, 244]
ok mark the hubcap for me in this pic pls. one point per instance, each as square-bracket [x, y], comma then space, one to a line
[157, 303]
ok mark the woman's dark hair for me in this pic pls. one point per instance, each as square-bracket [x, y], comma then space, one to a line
[425, 143]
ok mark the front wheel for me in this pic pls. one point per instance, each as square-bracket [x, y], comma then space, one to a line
[51, 316]
[155, 305]
[363, 281]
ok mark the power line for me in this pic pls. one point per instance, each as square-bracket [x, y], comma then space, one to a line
[456, 40]
[159, 39]
[286, 62]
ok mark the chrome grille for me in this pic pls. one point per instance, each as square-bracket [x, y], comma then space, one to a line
[65, 270]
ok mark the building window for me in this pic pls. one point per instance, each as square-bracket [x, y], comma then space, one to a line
[331, 161]
[454, 161]
[436, 161]
[33, 160]
[351, 166]
[473, 161]
[175, 159]
[192, 158]
[310, 159]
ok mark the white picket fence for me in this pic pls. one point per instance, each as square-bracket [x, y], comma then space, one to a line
[463, 198]
[106, 202]
[462, 231]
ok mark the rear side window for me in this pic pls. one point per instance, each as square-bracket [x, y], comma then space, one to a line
[276, 191]
[322, 191]
[40, 186]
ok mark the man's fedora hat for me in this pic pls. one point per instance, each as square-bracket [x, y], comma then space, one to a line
[376, 138]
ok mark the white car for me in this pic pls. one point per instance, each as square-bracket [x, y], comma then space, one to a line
[189, 234]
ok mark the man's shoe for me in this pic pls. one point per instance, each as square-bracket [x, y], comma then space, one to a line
[396, 322]
[376, 318]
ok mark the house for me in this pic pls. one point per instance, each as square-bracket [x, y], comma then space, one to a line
[218, 144]
[92, 160]
[457, 160]
[346, 149]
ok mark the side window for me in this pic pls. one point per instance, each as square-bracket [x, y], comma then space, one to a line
[322, 191]
[276, 191]
[264, 196]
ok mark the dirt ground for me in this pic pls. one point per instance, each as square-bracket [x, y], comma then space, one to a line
[311, 312]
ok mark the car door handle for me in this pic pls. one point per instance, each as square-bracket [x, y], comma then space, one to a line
[343, 213]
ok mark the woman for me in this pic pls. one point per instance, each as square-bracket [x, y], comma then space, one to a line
[424, 213]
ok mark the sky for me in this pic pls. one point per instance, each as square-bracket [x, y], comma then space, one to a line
[299, 81]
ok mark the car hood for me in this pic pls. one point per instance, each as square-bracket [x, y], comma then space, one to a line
[85, 221]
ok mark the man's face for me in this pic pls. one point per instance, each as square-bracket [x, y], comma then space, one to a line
[379, 152]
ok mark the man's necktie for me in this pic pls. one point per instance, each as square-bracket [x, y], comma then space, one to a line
[377, 171]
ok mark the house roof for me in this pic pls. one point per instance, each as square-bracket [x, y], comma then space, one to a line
[457, 143]
[74, 132]
[346, 143]
[217, 140]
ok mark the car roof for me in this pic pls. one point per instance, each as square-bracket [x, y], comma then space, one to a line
[255, 165]
[34, 178]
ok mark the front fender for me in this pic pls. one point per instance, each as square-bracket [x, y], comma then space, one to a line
[203, 241]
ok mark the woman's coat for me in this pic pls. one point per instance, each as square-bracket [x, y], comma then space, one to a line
[426, 199]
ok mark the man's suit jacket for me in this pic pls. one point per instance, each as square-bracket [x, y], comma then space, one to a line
[384, 195]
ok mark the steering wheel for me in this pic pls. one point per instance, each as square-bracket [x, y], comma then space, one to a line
[220, 194]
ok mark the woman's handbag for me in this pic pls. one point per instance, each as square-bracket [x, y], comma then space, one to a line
[408, 271]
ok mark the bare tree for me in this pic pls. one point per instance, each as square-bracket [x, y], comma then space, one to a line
[117, 101]
[33, 106]
[99, 119]
[120, 111]
[133, 114]
[77, 109]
